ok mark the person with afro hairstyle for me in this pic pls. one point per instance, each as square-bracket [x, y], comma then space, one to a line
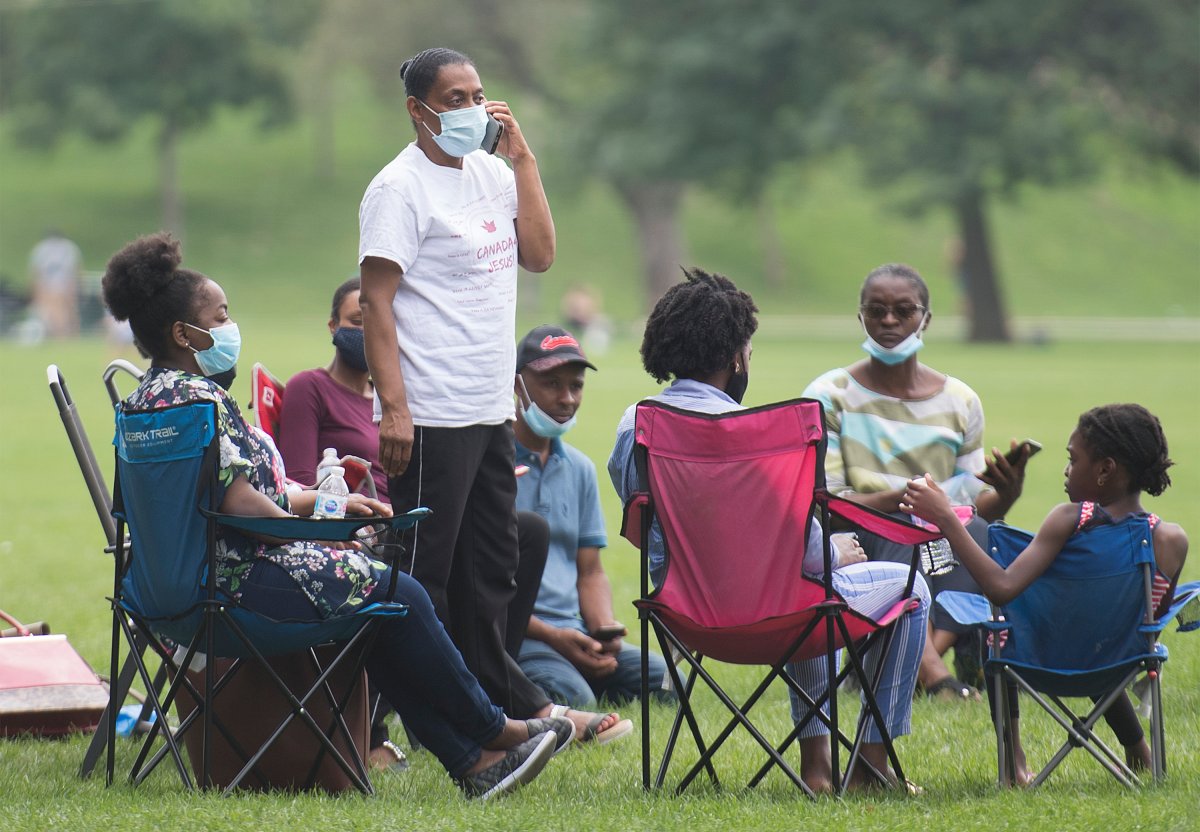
[1115, 453]
[181, 322]
[698, 338]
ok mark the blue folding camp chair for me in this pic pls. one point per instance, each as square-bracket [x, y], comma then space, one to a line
[166, 470]
[1084, 628]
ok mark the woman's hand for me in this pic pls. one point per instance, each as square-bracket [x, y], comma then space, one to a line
[1008, 480]
[512, 144]
[367, 506]
[925, 498]
[849, 550]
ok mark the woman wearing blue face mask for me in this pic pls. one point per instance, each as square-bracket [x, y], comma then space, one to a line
[331, 407]
[180, 320]
[890, 418]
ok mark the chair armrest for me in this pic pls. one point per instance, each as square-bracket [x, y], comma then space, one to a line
[969, 609]
[308, 528]
[1185, 607]
[631, 517]
[884, 525]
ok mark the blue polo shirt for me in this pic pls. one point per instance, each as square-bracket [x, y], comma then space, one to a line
[565, 493]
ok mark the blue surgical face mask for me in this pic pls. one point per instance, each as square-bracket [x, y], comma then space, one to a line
[351, 347]
[223, 354]
[462, 129]
[898, 354]
[536, 419]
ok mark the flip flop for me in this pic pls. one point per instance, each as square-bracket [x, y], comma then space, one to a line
[591, 732]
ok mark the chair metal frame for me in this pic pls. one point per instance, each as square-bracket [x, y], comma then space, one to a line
[828, 624]
[93, 477]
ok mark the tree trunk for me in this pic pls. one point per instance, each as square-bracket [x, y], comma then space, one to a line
[655, 208]
[168, 178]
[774, 260]
[987, 318]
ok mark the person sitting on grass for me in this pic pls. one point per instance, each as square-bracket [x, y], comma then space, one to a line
[699, 336]
[572, 645]
[181, 321]
[1114, 454]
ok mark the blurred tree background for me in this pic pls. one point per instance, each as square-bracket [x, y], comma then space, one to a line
[673, 125]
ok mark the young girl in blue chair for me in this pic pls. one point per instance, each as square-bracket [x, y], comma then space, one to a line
[1115, 453]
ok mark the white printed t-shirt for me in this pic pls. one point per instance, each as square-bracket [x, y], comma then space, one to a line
[453, 234]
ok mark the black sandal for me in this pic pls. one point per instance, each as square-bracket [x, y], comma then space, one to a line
[948, 687]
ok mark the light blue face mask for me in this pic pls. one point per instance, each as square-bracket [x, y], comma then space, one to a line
[536, 419]
[898, 354]
[462, 129]
[224, 352]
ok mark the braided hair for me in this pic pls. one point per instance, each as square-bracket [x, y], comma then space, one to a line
[897, 270]
[1133, 436]
[421, 70]
[143, 284]
[697, 327]
[354, 284]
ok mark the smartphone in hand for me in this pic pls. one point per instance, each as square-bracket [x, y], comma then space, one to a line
[608, 632]
[491, 135]
[1014, 456]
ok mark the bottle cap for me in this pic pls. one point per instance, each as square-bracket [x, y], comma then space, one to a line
[336, 471]
[330, 452]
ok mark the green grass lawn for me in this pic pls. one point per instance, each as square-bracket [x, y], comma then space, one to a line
[52, 568]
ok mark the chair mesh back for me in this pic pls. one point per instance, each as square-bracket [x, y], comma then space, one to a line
[1083, 613]
[733, 493]
[160, 454]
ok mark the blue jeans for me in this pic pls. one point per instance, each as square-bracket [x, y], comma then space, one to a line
[413, 663]
[554, 674]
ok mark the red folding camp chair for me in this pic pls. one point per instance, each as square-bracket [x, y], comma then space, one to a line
[734, 495]
[266, 393]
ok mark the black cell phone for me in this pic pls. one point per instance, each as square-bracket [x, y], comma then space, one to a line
[491, 136]
[608, 632]
[1013, 456]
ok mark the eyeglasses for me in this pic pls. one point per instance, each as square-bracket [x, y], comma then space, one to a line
[879, 311]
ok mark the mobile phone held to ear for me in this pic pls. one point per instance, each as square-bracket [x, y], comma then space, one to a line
[1014, 456]
[491, 135]
[608, 632]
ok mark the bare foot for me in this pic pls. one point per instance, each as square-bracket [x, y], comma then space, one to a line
[588, 725]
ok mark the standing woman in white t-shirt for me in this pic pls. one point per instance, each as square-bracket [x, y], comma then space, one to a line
[443, 228]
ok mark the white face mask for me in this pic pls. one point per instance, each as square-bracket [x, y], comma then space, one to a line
[900, 353]
[537, 420]
[462, 129]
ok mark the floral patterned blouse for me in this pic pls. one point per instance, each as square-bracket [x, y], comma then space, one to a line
[335, 580]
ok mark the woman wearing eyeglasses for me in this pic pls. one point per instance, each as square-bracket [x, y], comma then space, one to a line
[890, 418]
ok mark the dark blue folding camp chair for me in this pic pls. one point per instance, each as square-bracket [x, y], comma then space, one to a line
[166, 470]
[1084, 628]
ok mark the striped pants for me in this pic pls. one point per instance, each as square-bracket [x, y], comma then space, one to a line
[871, 588]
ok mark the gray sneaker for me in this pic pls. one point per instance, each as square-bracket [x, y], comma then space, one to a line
[520, 765]
[563, 728]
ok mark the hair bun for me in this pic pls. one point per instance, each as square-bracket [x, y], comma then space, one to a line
[404, 67]
[139, 271]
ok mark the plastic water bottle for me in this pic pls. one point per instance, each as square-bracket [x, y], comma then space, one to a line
[329, 458]
[332, 495]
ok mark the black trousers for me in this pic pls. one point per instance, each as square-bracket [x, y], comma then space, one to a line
[465, 553]
[533, 536]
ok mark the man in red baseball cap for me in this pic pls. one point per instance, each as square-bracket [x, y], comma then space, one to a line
[573, 646]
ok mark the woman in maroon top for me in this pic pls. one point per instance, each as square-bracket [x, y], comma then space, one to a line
[331, 407]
